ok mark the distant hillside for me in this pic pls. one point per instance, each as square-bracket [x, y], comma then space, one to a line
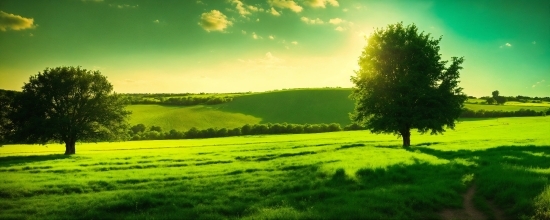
[295, 106]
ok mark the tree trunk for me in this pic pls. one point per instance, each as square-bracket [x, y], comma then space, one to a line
[70, 147]
[406, 134]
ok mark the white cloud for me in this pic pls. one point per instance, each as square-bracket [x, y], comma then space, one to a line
[339, 29]
[255, 36]
[214, 21]
[92, 0]
[15, 22]
[271, 37]
[254, 8]
[274, 12]
[534, 42]
[123, 6]
[321, 3]
[241, 8]
[267, 60]
[294, 42]
[243, 31]
[345, 10]
[290, 4]
[312, 21]
[335, 21]
[538, 83]
[506, 45]
[156, 21]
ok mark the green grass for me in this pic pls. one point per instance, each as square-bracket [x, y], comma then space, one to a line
[313, 106]
[340, 175]
[183, 118]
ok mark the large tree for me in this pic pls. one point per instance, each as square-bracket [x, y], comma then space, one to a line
[67, 104]
[403, 84]
[6, 106]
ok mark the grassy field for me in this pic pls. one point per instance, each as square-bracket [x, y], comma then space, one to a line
[311, 106]
[183, 118]
[341, 175]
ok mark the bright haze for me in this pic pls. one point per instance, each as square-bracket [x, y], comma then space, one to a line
[148, 46]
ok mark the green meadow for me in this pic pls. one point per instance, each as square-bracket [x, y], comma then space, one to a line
[339, 175]
[183, 118]
[299, 106]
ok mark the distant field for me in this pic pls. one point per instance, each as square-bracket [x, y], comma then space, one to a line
[183, 118]
[340, 175]
[507, 107]
[311, 106]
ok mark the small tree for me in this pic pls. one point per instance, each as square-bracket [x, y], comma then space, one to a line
[495, 93]
[67, 104]
[403, 84]
[139, 128]
[490, 101]
[500, 100]
[155, 128]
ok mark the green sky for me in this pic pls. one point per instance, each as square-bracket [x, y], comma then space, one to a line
[257, 45]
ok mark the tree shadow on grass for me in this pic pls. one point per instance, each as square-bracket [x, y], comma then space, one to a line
[474, 119]
[16, 160]
[510, 176]
[400, 191]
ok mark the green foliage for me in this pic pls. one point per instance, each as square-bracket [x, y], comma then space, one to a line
[467, 113]
[138, 128]
[497, 98]
[500, 100]
[299, 176]
[155, 132]
[182, 100]
[403, 84]
[6, 106]
[67, 104]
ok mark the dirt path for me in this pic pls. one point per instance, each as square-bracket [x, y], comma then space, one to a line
[470, 212]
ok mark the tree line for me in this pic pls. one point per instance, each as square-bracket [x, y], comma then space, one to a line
[181, 101]
[468, 113]
[496, 98]
[141, 132]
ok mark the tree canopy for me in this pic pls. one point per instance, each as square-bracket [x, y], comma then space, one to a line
[403, 84]
[6, 106]
[500, 100]
[67, 104]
